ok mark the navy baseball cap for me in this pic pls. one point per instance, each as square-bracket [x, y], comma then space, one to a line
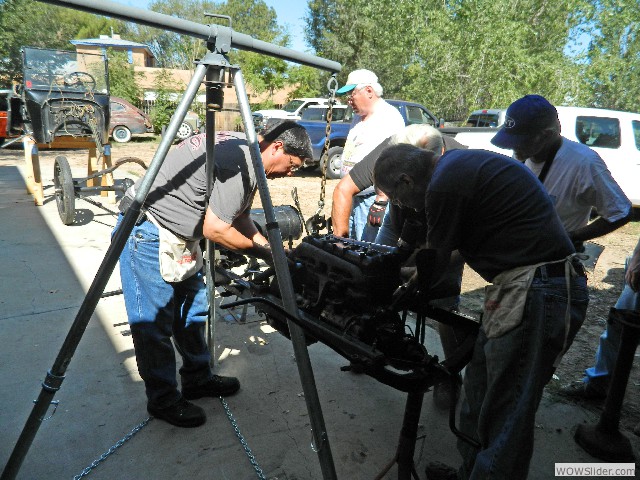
[525, 117]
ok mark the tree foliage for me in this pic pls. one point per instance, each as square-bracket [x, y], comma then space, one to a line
[123, 80]
[611, 64]
[453, 55]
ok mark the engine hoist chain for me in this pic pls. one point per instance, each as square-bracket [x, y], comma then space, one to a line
[112, 450]
[243, 442]
[318, 221]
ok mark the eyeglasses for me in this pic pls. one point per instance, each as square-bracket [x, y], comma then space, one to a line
[294, 167]
[353, 92]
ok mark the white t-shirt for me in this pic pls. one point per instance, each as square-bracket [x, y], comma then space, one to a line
[578, 181]
[384, 121]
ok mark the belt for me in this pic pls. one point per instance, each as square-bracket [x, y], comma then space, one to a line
[557, 270]
[124, 205]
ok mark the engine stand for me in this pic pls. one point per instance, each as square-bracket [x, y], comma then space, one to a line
[407, 440]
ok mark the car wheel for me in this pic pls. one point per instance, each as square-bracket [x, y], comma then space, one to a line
[334, 159]
[64, 190]
[185, 131]
[121, 134]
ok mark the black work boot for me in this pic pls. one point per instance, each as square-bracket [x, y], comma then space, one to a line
[181, 414]
[440, 471]
[216, 386]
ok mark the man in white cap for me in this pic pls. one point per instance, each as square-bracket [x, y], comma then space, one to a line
[378, 121]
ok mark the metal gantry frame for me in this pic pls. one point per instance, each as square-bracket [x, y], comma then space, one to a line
[213, 68]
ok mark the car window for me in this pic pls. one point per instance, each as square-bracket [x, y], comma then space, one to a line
[292, 106]
[313, 114]
[483, 120]
[598, 131]
[635, 124]
[117, 107]
[416, 114]
[4, 104]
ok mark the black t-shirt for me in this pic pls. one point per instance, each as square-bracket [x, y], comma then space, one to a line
[494, 211]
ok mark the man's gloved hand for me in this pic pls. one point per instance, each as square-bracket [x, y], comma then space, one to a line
[376, 212]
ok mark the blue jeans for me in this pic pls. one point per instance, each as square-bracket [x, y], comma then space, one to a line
[359, 228]
[159, 310]
[387, 233]
[599, 375]
[504, 381]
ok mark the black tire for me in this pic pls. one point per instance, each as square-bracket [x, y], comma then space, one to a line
[185, 131]
[64, 190]
[121, 134]
[334, 158]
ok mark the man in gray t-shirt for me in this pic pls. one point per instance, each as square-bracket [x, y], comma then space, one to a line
[160, 305]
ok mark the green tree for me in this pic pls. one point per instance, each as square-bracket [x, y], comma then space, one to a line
[453, 55]
[611, 63]
[123, 79]
[164, 105]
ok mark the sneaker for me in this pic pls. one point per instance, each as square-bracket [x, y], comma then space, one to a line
[442, 393]
[217, 386]
[180, 414]
[582, 391]
[440, 471]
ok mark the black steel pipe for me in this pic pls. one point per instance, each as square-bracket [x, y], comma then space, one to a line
[198, 30]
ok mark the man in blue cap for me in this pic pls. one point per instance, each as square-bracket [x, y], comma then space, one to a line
[578, 181]
[378, 121]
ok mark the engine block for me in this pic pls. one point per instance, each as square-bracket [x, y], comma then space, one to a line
[345, 282]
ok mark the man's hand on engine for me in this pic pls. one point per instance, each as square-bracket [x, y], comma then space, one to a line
[376, 212]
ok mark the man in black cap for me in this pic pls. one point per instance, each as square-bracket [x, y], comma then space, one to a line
[578, 181]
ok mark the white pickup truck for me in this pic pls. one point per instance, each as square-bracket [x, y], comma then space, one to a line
[613, 134]
[291, 111]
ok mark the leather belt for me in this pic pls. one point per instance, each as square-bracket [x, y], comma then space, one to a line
[124, 205]
[557, 270]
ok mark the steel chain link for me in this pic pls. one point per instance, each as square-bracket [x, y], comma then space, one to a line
[332, 86]
[243, 442]
[109, 452]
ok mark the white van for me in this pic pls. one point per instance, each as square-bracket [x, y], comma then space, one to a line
[614, 135]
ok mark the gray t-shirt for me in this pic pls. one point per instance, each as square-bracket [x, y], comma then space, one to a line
[177, 198]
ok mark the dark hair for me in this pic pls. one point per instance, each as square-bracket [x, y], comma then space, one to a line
[402, 159]
[294, 138]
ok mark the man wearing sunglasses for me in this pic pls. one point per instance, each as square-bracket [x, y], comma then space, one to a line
[378, 121]
[161, 263]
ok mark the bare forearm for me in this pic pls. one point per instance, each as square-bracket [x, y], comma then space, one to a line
[241, 236]
[341, 209]
[597, 228]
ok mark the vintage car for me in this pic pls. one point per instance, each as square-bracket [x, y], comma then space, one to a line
[126, 120]
[65, 94]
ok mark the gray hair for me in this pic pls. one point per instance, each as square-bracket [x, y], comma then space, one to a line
[421, 135]
[377, 88]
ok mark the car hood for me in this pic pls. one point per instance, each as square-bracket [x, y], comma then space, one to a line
[275, 113]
